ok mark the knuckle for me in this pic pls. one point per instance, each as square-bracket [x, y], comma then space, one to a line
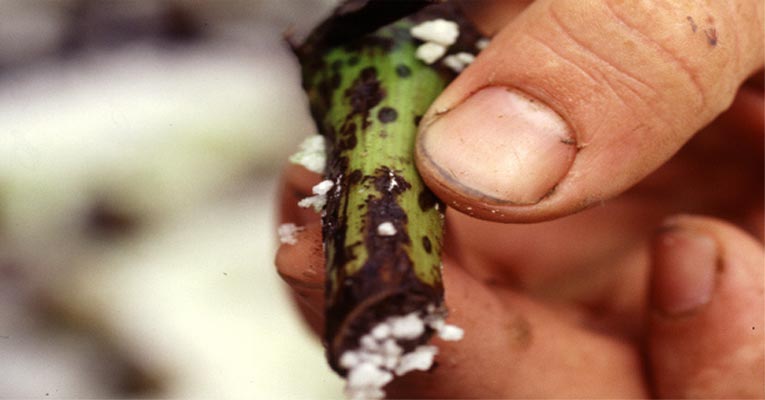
[653, 54]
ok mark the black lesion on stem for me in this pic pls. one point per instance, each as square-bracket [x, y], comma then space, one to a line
[403, 71]
[427, 245]
[364, 94]
[387, 276]
[427, 200]
[387, 115]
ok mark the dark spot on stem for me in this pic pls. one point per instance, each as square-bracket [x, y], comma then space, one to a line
[349, 143]
[387, 114]
[355, 177]
[364, 94]
[427, 245]
[417, 119]
[336, 65]
[426, 200]
[353, 61]
[348, 129]
[403, 71]
[388, 181]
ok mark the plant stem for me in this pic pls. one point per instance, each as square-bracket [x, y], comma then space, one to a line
[382, 227]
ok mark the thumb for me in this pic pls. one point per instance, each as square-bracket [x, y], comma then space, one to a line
[575, 101]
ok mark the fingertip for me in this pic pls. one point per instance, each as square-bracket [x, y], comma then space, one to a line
[705, 328]
[499, 150]
[602, 68]
[300, 263]
[300, 258]
[296, 184]
[684, 268]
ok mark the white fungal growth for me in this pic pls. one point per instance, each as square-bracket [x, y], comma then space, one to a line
[482, 43]
[407, 327]
[436, 323]
[365, 381]
[465, 58]
[379, 356]
[439, 31]
[386, 229]
[430, 52]
[323, 187]
[311, 154]
[287, 233]
[458, 62]
[319, 199]
[350, 359]
[381, 331]
[453, 63]
[420, 359]
[393, 182]
[451, 333]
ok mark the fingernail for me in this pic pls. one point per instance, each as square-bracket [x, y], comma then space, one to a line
[684, 266]
[500, 144]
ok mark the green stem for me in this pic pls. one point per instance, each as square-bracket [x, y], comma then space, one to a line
[367, 98]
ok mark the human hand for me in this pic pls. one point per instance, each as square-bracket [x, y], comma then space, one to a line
[589, 305]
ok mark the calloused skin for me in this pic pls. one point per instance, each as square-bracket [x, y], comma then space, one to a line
[581, 305]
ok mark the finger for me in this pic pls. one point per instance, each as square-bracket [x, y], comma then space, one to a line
[515, 347]
[492, 15]
[300, 263]
[512, 347]
[706, 324]
[296, 184]
[574, 102]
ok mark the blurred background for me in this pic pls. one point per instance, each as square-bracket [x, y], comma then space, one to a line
[140, 145]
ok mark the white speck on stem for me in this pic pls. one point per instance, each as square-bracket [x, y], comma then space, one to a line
[458, 62]
[438, 31]
[451, 333]
[482, 43]
[319, 199]
[381, 332]
[379, 356]
[393, 182]
[430, 52]
[453, 63]
[365, 381]
[386, 229]
[311, 154]
[409, 326]
[420, 359]
[465, 58]
[322, 187]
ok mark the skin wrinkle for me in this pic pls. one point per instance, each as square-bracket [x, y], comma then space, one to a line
[604, 78]
[628, 77]
[684, 67]
[588, 50]
[564, 58]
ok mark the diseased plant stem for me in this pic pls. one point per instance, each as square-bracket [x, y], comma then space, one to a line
[367, 97]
